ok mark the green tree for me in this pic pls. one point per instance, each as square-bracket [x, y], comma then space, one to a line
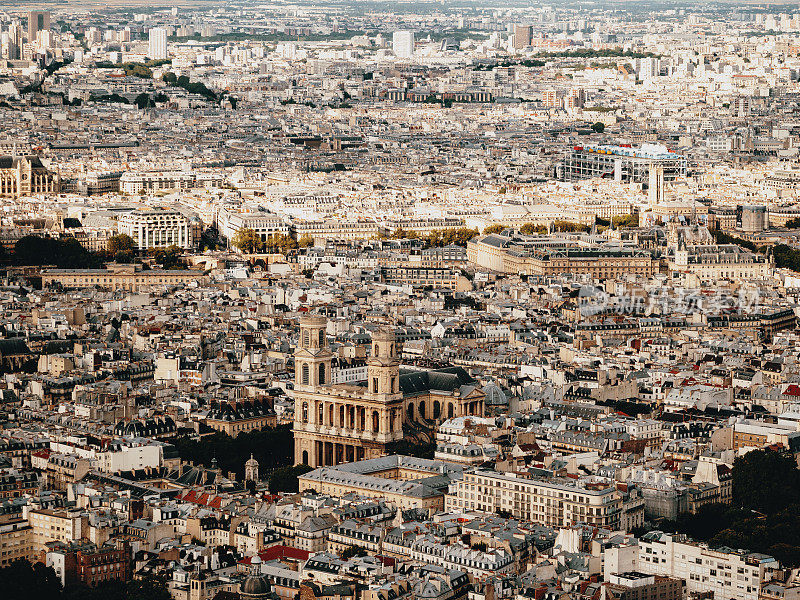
[169, 258]
[625, 221]
[284, 479]
[248, 241]
[496, 228]
[121, 242]
[169, 78]
[148, 588]
[305, 242]
[793, 223]
[786, 257]
[569, 226]
[143, 101]
[209, 239]
[764, 515]
[281, 243]
[446, 237]
[766, 481]
[64, 253]
[531, 228]
[352, 551]
[598, 127]
[22, 580]
[403, 234]
[273, 448]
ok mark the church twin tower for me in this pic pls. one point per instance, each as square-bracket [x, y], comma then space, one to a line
[336, 423]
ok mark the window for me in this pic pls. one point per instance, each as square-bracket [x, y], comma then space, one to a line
[322, 373]
[374, 385]
[305, 375]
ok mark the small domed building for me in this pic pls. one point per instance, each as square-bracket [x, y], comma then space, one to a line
[256, 586]
[251, 469]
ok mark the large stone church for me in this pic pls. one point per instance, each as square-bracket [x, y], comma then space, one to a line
[26, 175]
[338, 423]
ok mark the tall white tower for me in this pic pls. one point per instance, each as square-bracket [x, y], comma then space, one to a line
[157, 48]
[403, 44]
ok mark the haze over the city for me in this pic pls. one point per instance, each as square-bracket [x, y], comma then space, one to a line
[358, 300]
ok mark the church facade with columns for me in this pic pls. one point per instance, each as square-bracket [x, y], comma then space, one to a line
[339, 423]
[26, 175]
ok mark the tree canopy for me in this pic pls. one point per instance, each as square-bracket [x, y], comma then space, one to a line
[764, 515]
[248, 241]
[437, 238]
[793, 223]
[121, 242]
[32, 250]
[184, 82]
[273, 448]
[765, 481]
[624, 221]
[284, 479]
[23, 580]
[531, 228]
[169, 258]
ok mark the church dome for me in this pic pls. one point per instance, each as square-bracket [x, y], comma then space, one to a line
[255, 586]
[494, 395]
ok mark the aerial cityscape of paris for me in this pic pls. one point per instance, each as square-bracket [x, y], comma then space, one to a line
[414, 300]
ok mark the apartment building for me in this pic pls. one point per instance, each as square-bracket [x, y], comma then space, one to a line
[86, 563]
[150, 182]
[556, 502]
[342, 230]
[640, 586]
[16, 541]
[157, 228]
[15, 483]
[266, 224]
[728, 574]
[241, 416]
[724, 261]
[457, 556]
[402, 480]
[751, 433]
[515, 255]
[421, 276]
[51, 525]
[125, 277]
